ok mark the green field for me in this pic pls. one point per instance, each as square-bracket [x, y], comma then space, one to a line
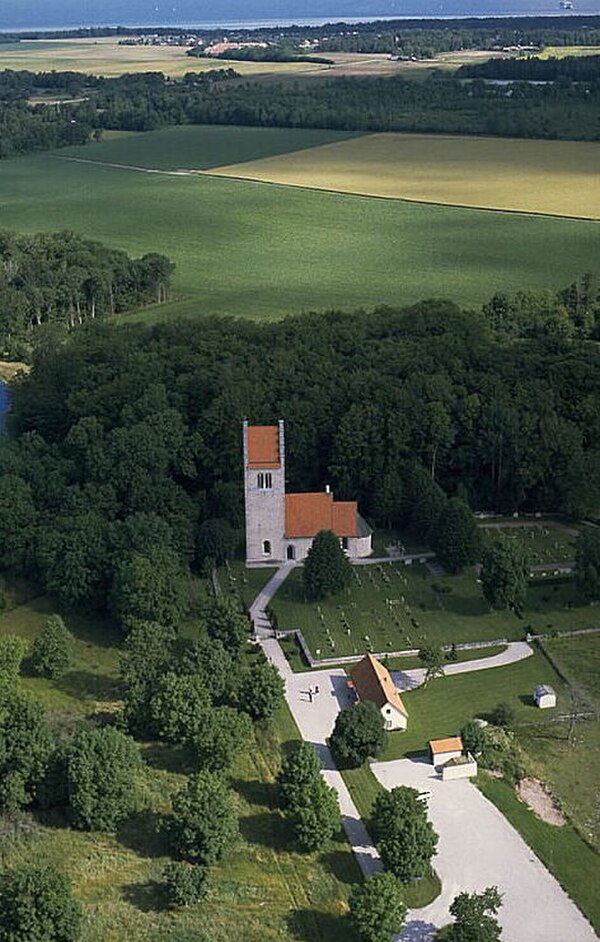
[266, 251]
[275, 894]
[202, 147]
[385, 600]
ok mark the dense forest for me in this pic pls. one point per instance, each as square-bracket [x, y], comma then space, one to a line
[126, 442]
[62, 280]
[147, 101]
[531, 69]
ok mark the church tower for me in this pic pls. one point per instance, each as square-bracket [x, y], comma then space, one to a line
[264, 492]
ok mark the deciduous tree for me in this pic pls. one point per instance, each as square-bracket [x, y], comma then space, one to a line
[260, 691]
[327, 569]
[455, 537]
[37, 905]
[101, 767]
[52, 651]
[203, 826]
[475, 917]
[504, 574]
[358, 734]
[376, 908]
[404, 834]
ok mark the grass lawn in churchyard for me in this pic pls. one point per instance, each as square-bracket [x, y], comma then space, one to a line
[264, 251]
[392, 607]
[554, 177]
[267, 889]
[443, 707]
[544, 542]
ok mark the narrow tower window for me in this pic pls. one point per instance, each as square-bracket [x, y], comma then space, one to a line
[268, 480]
[260, 480]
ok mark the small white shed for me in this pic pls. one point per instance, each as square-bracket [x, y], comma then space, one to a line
[442, 750]
[544, 696]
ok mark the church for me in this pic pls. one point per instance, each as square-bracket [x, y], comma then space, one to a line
[282, 526]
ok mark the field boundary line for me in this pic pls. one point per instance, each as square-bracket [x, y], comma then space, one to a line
[214, 172]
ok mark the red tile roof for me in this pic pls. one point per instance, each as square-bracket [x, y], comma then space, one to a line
[452, 744]
[373, 682]
[263, 446]
[306, 514]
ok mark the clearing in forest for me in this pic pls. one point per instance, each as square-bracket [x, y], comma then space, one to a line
[551, 177]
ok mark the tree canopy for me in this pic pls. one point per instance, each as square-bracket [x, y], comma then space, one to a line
[203, 826]
[358, 734]
[37, 905]
[376, 908]
[327, 569]
[405, 837]
[504, 573]
[101, 766]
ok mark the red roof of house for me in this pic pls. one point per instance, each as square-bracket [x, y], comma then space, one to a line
[373, 682]
[263, 446]
[307, 514]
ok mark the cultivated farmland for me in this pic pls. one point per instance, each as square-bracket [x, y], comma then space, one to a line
[554, 177]
[104, 56]
[267, 251]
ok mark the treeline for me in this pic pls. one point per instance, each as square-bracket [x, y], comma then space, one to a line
[63, 280]
[126, 450]
[271, 53]
[573, 68]
[145, 102]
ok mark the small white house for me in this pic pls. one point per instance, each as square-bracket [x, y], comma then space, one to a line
[544, 696]
[372, 681]
[443, 750]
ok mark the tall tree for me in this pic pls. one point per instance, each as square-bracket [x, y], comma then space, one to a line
[101, 767]
[587, 563]
[327, 569]
[504, 574]
[52, 651]
[405, 836]
[455, 537]
[261, 691]
[358, 734]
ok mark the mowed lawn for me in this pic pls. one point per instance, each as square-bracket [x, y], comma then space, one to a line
[263, 251]
[390, 607]
[554, 177]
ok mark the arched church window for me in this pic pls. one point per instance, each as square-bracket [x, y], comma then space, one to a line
[267, 547]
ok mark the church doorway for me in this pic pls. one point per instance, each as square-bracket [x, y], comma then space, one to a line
[291, 552]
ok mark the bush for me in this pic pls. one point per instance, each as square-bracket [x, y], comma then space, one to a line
[12, 652]
[503, 715]
[203, 826]
[36, 905]
[25, 747]
[101, 766]
[52, 651]
[358, 734]
[184, 884]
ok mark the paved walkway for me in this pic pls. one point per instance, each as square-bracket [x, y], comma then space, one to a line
[315, 714]
[258, 615]
[515, 651]
[478, 847]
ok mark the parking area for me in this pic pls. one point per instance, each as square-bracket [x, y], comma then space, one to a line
[478, 848]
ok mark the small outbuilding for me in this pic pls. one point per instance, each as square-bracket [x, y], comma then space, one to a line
[372, 681]
[544, 696]
[442, 750]
[463, 766]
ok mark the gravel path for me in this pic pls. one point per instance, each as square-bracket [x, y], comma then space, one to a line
[515, 651]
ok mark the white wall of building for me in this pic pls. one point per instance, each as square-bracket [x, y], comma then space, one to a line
[393, 718]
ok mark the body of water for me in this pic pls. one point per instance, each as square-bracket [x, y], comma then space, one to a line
[142, 13]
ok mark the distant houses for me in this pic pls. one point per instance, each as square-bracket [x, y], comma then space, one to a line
[372, 681]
